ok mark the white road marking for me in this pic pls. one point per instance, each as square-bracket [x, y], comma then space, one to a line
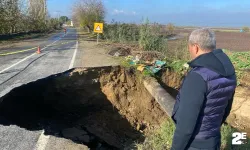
[42, 142]
[74, 57]
[25, 58]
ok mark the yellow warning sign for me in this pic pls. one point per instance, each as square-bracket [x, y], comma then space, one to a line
[98, 27]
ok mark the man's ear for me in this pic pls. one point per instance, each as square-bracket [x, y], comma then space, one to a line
[196, 49]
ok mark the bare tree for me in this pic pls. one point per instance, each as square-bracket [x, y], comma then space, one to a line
[86, 12]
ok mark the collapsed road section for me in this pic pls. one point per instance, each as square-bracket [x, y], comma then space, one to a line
[99, 107]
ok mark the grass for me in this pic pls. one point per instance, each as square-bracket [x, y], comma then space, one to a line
[161, 139]
[240, 61]
[176, 65]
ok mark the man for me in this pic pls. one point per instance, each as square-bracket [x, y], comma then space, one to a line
[206, 95]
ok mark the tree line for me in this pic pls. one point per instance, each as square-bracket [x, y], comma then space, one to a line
[87, 12]
[23, 16]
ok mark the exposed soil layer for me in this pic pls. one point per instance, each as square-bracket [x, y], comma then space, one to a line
[103, 108]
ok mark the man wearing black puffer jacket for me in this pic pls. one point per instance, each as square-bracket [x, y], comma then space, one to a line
[206, 95]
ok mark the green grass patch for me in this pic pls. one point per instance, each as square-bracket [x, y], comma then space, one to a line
[159, 139]
[176, 65]
[125, 63]
[226, 139]
[241, 62]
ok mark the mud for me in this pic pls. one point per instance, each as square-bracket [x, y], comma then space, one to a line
[103, 108]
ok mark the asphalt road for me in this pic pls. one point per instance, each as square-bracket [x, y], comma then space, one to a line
[58, 54]
[21, 68]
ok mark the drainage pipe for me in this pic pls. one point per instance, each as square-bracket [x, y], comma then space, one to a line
[165, 100]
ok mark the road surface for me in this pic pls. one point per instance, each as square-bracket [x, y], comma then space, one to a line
[58, 53]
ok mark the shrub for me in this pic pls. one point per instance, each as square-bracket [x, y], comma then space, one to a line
[245, 29]
[170, 29]
[150, 39]
[117, 32]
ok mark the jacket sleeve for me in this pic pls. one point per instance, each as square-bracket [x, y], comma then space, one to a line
[192, 96]
[228, 109]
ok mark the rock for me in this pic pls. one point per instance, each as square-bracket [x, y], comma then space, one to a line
[123, 78]
[117, 54]
[84, 138]
[138, 127]
[73, 133]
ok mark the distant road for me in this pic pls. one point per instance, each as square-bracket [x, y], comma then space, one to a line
[58, 54]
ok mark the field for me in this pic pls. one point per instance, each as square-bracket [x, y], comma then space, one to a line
[226, 39]
[232, 40]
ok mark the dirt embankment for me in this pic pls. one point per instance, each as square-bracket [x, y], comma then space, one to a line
[99, 107]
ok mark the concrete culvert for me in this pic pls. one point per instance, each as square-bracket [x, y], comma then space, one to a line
[106, 108]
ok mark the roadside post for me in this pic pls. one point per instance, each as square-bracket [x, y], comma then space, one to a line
[98, 28]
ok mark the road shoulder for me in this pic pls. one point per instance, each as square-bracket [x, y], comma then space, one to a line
[92, 55]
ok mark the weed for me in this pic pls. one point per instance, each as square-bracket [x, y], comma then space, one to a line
[160, 139]
[226, 139]
[125, 63]
[150, 39]
[177, 65]
[179, 52]
[241, 62]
